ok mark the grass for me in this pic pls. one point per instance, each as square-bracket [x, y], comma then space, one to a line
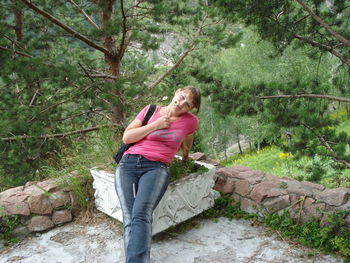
[95, 150]
[274, 161]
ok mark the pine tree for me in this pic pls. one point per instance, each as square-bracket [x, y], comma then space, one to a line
[69, 68]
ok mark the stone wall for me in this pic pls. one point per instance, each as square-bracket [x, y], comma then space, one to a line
[261, 193]
[43, 205]
[40, 205]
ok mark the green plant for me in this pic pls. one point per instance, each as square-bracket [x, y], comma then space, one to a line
[273, 160]
[225, 206]
[333, 237]
[179, 169]
[81, 187]
[7, 226]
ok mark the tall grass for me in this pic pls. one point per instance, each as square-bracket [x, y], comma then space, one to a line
[95, 149]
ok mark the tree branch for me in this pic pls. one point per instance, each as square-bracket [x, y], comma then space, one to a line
[86, 72]
[60, 103]
[319, 96]
[17, 52]
[338, 36]
[168, 72]
[57, 135]
[126, 33]
[326, 48]
[329, 148]
[103, 76]
[85, 14]
[182, 57]
[65, 27]
[324, 143]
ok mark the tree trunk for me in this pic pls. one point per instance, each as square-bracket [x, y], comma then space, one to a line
[239, 142]
[112, 61]
[18, 22]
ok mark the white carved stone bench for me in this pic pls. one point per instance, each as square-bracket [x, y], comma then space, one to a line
[184, 198]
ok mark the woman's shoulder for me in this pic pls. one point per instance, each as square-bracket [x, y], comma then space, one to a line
[190, 118]
[190, 115]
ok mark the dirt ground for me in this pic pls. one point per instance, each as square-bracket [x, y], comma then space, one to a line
[98, 238]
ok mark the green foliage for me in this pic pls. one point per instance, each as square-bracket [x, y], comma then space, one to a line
[7, 226]
[51, 82]
[274, 161]
[179, 169]
[81, 187]
[283, 21]
[333, 237]
[225, 206]
[74, 163]
[235, 83]
[263, 160]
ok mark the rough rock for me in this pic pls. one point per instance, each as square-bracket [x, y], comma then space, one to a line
[59, 198]
[30, 183]
[48, 185]
[312, 210]
[60, 217]
[219, 183]
[14, 208]
[232, 171]
[295, 187]
[336, 197]
[249, 206]
[242, 187]
[11, 192]
[265, 190]
[198, 156]
[276, 203]
[21, 232]
[229, 186]
[252, 176]
[40, 223]
[39, 204]
[313, 186]
[33, 189]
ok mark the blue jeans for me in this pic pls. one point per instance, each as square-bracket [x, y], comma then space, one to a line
[140, 185]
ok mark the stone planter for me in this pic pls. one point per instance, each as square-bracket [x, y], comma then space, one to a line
[184, 198]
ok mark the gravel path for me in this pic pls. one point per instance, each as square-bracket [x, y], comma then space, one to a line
[208, 241]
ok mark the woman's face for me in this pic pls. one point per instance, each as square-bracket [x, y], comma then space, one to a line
[182, 102]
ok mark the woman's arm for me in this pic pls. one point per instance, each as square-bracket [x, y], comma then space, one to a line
[186, 146]
[135, 131]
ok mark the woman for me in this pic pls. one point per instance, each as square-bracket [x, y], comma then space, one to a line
[142, 175]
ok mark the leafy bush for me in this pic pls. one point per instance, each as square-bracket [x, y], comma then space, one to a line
[333, 237]
[273, 160]
[7, 226]
[179, 169]
[225, 206]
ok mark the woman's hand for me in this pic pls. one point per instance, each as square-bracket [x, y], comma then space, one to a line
[162, 122]
[135, 131]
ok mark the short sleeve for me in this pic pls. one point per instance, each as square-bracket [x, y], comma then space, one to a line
[141, 115]
[194, 124]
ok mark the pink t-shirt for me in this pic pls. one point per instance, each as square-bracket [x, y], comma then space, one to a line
[161, 145]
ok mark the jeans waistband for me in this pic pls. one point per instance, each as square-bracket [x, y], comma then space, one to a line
[141, 157]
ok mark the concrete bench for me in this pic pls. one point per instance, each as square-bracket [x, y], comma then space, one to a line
[184, 198]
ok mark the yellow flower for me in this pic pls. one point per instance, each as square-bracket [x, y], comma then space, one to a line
[284, 156]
